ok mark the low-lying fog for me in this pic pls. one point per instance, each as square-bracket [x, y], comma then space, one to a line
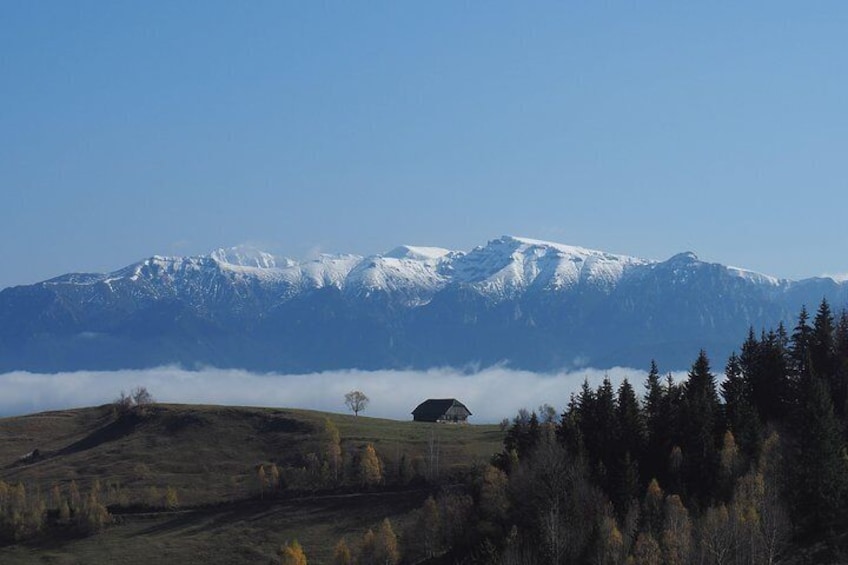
[491, 394]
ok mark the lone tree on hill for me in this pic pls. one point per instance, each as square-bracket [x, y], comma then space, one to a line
[356, 401]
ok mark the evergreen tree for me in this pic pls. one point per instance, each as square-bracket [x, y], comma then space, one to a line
[702, 426]
[656, 424]
[742, 418]
[629, 422]
[524, 434]
[822, 351]
[821, 340]
[840, 346]
[568, 431]
[765, 366]
[605, 430]
[800, 346]
[820, 471]
[630, 442]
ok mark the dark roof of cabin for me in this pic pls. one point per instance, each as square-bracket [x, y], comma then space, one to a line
[436, 407]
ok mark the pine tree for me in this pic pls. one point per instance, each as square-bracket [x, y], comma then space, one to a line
[630, 443]
[656, 424]
[630, 422]
[800, 348]
[524, 433]
[703, 425]
[820, 481]
[568, 431]
[534, 434]
[821, 341]
[603, 428]
[742, 418]
[822, 352]
[765, 374]
[840, 346]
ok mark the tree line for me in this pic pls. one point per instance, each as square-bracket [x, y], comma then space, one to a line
[687, 472]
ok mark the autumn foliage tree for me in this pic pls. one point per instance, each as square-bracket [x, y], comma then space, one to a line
[370, 468]
[292, 554]
[341, 553]
[332, 449]
[386, 550]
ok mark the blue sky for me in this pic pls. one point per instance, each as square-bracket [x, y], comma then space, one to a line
[129, 129]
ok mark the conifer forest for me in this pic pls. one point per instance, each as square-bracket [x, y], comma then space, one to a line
[747, 469]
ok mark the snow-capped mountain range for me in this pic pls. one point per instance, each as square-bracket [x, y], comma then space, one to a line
[527, 303]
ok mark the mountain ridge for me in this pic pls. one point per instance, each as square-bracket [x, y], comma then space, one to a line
[524, 302]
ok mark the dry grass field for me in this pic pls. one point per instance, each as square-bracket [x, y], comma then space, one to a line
[210, 455]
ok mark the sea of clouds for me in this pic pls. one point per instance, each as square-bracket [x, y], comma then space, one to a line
[491, 394]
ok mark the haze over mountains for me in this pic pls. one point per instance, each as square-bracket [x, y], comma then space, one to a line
[526, 303]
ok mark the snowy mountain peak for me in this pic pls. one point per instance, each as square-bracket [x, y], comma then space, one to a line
[509, 264]
[417, 253]
[685, 257]
[245, 256]
[540, 247]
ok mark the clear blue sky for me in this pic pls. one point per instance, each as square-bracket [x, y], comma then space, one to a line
[129, 129]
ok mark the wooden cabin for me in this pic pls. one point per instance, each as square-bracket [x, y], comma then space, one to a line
[441, 410]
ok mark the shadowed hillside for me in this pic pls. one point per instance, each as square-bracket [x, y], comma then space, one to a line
[209, 456]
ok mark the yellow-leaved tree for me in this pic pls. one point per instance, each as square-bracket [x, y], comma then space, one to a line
[677, 532]
[332, 449]
[341, 553]
[386, 547]
[292, 554]
[646, 550]
[370, 467]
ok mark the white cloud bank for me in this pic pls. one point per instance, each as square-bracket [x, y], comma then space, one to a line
[491, 394]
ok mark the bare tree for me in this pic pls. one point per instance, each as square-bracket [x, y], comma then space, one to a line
[138, 399]
[141, 396]
[122, 404]
[356, 401]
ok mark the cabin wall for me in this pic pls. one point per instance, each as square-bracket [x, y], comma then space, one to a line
[455, 414]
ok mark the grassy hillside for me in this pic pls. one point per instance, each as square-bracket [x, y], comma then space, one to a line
[209, 455]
